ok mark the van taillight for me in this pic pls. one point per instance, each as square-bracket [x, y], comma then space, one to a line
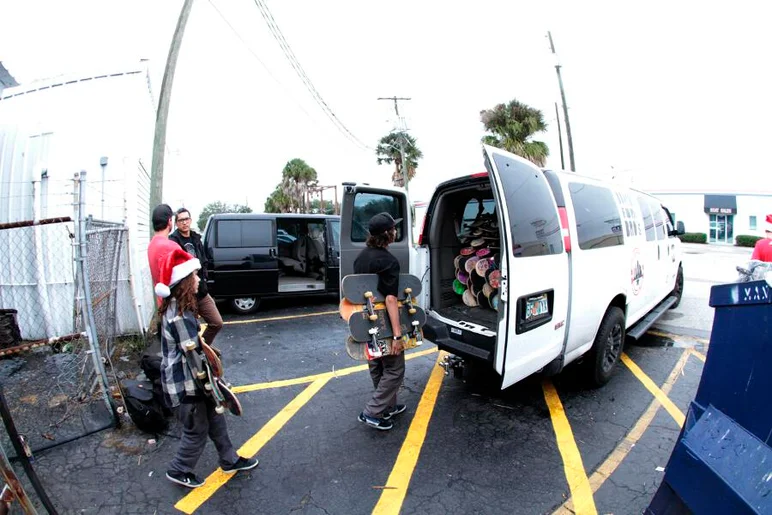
[481, 174]
[564, 228]
[421, 233]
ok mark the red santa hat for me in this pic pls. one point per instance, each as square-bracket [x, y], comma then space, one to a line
[175, 266]
[768, 223]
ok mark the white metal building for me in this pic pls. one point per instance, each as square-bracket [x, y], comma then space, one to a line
[53, 129]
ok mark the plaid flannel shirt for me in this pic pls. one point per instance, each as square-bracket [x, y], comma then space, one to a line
[176, 378]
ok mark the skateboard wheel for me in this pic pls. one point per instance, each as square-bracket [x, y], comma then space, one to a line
[368, 294]
[220, 409]
[408, 290]
[412, 311]
[190, 345]
[201, 374]
[208, 387]
[373, 318]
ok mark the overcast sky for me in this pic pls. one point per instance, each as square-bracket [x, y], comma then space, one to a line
[669, 93]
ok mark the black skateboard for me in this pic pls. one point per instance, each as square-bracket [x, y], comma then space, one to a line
[355, 287]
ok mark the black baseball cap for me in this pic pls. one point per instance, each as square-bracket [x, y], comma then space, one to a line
[381, 223]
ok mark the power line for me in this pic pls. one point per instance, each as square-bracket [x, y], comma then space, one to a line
[293, 61]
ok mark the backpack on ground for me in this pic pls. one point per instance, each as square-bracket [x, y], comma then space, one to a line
[143, 406]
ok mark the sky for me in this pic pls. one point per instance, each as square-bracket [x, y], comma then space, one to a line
[664, 95]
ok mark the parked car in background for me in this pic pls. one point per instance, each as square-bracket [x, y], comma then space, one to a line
[257, 255]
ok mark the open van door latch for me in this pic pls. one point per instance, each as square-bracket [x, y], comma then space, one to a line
[504, 295]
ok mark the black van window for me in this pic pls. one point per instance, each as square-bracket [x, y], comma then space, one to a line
[229, 233]
[256, 233]
[474, 208]
[367, 205]
[533, 216]
[648, 220]
[598, 223]
[659, 219]
[335, 230]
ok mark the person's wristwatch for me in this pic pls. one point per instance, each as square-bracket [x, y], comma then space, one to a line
[395, 337]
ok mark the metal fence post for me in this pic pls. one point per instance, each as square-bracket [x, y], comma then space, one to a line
[82, 258]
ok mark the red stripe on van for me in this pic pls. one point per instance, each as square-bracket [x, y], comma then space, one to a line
[564, 227]
[482, 174]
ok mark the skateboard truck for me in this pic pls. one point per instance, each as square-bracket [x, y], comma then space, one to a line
[453, 363]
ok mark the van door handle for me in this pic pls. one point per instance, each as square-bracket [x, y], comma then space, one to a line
[272, 252]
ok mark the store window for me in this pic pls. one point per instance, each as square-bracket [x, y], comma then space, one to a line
[752, 223]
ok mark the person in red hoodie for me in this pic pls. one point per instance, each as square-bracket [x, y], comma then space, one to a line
[763, 249]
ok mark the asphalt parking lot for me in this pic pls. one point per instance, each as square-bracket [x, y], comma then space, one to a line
[542, 446]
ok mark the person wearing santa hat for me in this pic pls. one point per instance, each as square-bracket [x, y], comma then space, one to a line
[763, 249]
[177, 285]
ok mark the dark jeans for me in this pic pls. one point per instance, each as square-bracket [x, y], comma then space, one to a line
[387, 374]
[199, 420]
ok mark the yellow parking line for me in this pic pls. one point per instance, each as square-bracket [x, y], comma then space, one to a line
[272, 319]
[394, 494]
[604, 471]
[218, 478]
[569, 452]
[697, 354]
[672, 336]
[325, 375]
[671, 408]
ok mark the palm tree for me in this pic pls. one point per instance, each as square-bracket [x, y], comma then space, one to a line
[297, 177]
[388, 152]
[513, 125]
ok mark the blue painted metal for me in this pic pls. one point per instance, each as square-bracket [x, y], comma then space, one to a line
[722, 461]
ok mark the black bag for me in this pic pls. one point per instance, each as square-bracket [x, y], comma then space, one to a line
[143, 406]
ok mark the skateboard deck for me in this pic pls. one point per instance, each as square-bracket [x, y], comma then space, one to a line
[363, 329]
[213, 358]
[225, 397]
[207, 370]
[355, 286]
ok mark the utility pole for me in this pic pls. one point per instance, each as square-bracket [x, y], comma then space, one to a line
[560, 138]
[159, 140]
[565, 106]
[403, 137]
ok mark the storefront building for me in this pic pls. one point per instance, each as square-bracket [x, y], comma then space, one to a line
[722, 216]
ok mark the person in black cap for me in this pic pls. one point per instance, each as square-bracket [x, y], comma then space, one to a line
[387, 372]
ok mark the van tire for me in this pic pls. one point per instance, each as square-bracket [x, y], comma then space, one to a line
[678, 290]
[607, 348]
[245, 305]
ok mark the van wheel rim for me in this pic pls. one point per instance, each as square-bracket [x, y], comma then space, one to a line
[613, 347]
[247, 303]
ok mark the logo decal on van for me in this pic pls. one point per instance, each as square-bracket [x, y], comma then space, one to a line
[636, 272]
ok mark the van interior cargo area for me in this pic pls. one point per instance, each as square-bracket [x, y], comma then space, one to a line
[301, 253]
[465, 254]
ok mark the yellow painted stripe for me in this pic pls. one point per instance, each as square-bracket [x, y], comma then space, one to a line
[658, 394]
[672, 336]
[395, 491]
[272, 319]
[604, 471]
[218, 478]
[697, 354]
[573, 467]
[325, 375]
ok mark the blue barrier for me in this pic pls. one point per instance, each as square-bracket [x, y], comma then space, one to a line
[722, 461]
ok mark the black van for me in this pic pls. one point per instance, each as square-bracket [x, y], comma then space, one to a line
[256, 255]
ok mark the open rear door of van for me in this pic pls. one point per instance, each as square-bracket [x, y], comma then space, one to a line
[360, 203]
[534, 265]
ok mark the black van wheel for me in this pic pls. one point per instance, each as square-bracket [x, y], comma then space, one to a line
[245, 305]
[678, 290]
[607, 349]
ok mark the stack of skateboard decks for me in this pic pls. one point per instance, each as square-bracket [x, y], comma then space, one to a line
[478, 276]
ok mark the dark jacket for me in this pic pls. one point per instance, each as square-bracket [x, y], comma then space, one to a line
[198, 252]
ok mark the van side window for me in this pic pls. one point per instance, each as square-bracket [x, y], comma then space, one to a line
[367, 205]
[598, 223]
[244, 233]
[335, 230]
[474, 208]
[659, 220]
[648, 220]
[533, 215]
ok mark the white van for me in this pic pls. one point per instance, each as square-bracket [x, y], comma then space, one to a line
[582, 264]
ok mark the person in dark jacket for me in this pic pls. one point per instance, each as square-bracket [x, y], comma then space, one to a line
[190, 241]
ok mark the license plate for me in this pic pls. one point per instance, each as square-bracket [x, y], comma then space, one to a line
[536, 307]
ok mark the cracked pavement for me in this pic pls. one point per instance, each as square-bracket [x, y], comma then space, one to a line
[485, 451]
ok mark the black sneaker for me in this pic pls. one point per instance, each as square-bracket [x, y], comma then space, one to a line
[187, 479]
[396, 410]
[376, 423]
[241, 464]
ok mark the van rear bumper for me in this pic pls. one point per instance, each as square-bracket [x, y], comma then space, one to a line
[467, 344]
